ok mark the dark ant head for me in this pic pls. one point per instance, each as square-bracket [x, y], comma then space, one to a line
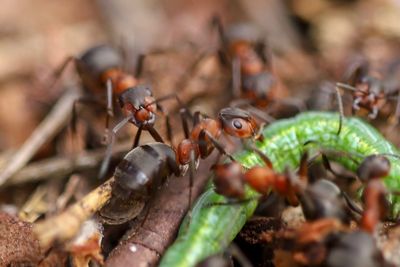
[228, 180]
[374, 166]
[140, 102]
[237, 122]
[99, 59]
[260, 178]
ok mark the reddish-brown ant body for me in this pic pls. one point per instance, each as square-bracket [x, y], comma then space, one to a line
[321, 199]
[371, 171]
[230, 179]
[252, 75]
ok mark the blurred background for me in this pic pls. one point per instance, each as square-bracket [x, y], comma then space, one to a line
[311, 41]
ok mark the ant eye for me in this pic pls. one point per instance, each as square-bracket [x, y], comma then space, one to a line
[237, 124]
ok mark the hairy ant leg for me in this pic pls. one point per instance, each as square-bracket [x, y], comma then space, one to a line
[137, 136]
[341, 110]
[60, 70]
[87, 100]
[108, 153]
[203, 144]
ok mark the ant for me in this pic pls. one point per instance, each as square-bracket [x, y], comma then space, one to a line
[370, 92]
[100, 68]
[203, 138]
[230, 179]
[252, 75]
[321, 199]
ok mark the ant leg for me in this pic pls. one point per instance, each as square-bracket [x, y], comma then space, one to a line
[192, 169]
[139, 65]
[397, 111]
[87, 100]
[351, 204]
[110, 109]
[137, 137]
[155, 134]
[262, 155]
[217, 23]
[184, 120]
[57, 73]
[303, 167]
[374, 113]
[215, 142]
[107, 158]
[264, 52]
[167, 123]
[236, 77]
[341, 112]
[197, 117]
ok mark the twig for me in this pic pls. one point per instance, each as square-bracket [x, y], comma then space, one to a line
[146, 243]
[65, 225]
[59, 167]
[48, 128]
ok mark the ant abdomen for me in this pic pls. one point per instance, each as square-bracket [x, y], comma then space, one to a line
[142, 171]
[93, 63]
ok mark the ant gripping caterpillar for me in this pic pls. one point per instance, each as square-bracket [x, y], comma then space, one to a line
[284, 144]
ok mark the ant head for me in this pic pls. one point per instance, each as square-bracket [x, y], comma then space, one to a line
[139, 101]
[237, 122]
[374, 166]
[228, 179]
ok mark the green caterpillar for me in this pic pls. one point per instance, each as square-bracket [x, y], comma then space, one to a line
[213, 228]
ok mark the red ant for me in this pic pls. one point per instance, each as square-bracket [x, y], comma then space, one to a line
[252, 75]
[99, 69]
[203, 138]
[369, 90]
[229, 179]
[321, 199]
